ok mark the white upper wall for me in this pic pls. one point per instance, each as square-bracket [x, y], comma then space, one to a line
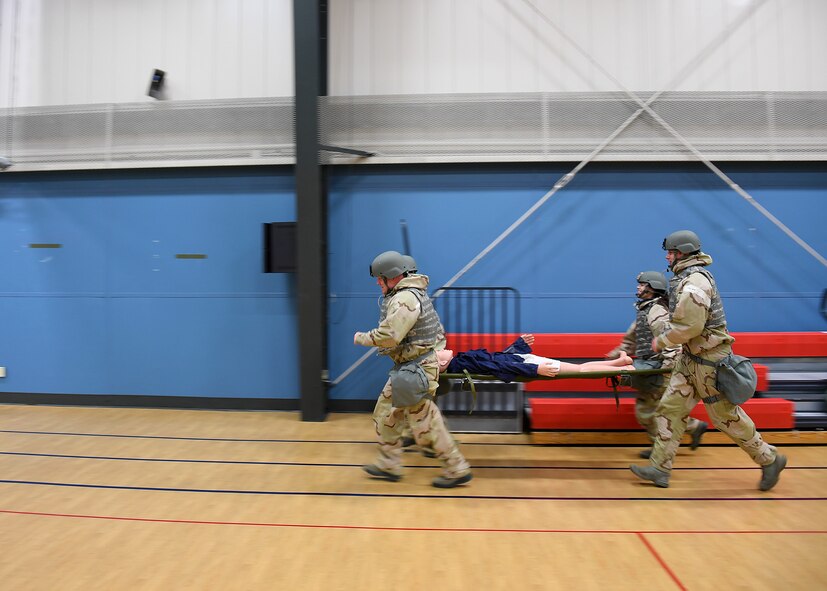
[55, 52]
[476, 46]
[104, 51]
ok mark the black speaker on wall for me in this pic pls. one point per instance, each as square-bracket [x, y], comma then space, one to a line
[156, 84]
[280, 247]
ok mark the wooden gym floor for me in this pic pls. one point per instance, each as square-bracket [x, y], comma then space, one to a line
[133, 499]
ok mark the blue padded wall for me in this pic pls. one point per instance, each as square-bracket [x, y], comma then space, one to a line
[113, 311]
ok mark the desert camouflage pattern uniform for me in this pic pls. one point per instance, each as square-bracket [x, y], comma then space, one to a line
[402, 309]
[698, 324]
[652, 320]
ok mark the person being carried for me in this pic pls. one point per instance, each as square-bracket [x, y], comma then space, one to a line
[517, 360]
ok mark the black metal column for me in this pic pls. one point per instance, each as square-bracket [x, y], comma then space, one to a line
[310, 47]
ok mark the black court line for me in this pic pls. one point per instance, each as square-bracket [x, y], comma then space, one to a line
[174, 438]
[330, 441]
[225, 439]
[396, 496]
[340, 465]
[363, 441]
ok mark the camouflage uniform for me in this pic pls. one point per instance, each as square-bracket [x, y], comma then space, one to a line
[699, 325]
[403, 311]
[652, 320]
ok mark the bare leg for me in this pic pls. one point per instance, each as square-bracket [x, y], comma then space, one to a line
[547, 367]
[548, 370]
[607, 365]
[622, 361]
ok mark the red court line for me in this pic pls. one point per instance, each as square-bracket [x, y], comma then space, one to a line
[392, 528]
[661, 561]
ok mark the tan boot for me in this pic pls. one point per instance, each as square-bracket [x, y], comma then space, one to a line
[443, 482]
[376, 471]
[660, 478]
[771, 472]
[697, 434]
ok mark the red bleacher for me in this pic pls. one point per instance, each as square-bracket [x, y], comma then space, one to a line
[600, 412]
[596, 345]
[580, 385]
[566, 414]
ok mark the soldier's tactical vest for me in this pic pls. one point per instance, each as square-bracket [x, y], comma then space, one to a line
[427, 328]
[643, 332]
[716, 317]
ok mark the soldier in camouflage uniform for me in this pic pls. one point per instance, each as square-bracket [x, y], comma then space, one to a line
[409, 328]
[652, 320]
[408, 441]
[698, 325]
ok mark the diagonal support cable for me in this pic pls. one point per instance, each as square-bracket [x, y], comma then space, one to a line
[645, 106]
[737, 188]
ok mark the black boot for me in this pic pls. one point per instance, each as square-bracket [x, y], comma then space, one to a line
[697, 434]
[771, 472]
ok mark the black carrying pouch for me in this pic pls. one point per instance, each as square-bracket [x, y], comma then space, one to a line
[736, 378]
[649, 384]
[409, 382]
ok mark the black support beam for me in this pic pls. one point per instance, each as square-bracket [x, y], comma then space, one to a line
[310, 50]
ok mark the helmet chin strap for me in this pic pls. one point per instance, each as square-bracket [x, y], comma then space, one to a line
[679, 256]
[387, 282]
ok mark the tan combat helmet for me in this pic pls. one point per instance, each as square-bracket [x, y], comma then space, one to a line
[655, 280]
[410, 263]
[388, 265]
[685, 241]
